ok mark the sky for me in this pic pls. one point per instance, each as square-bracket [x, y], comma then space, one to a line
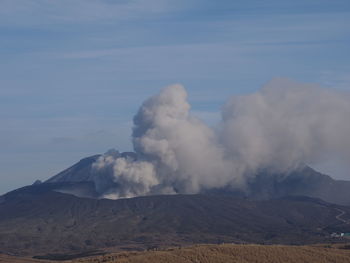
[74, 72]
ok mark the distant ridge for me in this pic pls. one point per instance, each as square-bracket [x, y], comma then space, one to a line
[304, 181]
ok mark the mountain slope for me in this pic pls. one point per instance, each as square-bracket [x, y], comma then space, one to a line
[263, 186]
[306, 182]
[37, 220]
[79, 172]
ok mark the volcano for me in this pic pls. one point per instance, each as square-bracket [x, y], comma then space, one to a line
[66, 213]
[80, 180]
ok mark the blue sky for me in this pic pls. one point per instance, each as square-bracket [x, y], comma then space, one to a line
[74, 72]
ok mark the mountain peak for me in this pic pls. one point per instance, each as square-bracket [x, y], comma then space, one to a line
[303, 181]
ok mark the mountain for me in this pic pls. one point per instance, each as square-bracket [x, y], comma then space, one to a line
[36, 220]
[305, 181]
[66, 215]
[263, 186]
[79, 172]
[83, 171]
[82, 180]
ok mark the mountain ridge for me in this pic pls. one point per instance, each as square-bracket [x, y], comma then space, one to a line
[303, 181]
[67, 215]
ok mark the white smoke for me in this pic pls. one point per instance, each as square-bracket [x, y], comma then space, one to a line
[117, 176]
[286, 124]
[280, 127]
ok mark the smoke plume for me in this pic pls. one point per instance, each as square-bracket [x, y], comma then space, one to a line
[280, 128]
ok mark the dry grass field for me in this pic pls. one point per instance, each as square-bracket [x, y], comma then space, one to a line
[232, 253]
[218, 254]
[9, 259]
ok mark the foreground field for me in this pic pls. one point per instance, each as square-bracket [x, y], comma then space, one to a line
[9, 259]
[233, 253]
[218, 254]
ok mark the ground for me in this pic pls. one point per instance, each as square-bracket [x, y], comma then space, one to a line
[219, 253]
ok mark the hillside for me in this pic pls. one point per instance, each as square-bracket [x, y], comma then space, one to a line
[64, 214]
[36, 220]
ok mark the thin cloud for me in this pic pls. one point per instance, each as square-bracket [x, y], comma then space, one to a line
[36, 11]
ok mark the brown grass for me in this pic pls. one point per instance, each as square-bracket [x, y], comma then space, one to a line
[218, 254]
[231, 253]
[9, 259]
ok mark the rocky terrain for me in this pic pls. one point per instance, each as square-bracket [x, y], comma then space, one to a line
[36, 220]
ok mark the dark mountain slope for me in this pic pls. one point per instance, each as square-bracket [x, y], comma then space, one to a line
[37, 220]
[82, 171]
[79, 172]
[306, 182]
